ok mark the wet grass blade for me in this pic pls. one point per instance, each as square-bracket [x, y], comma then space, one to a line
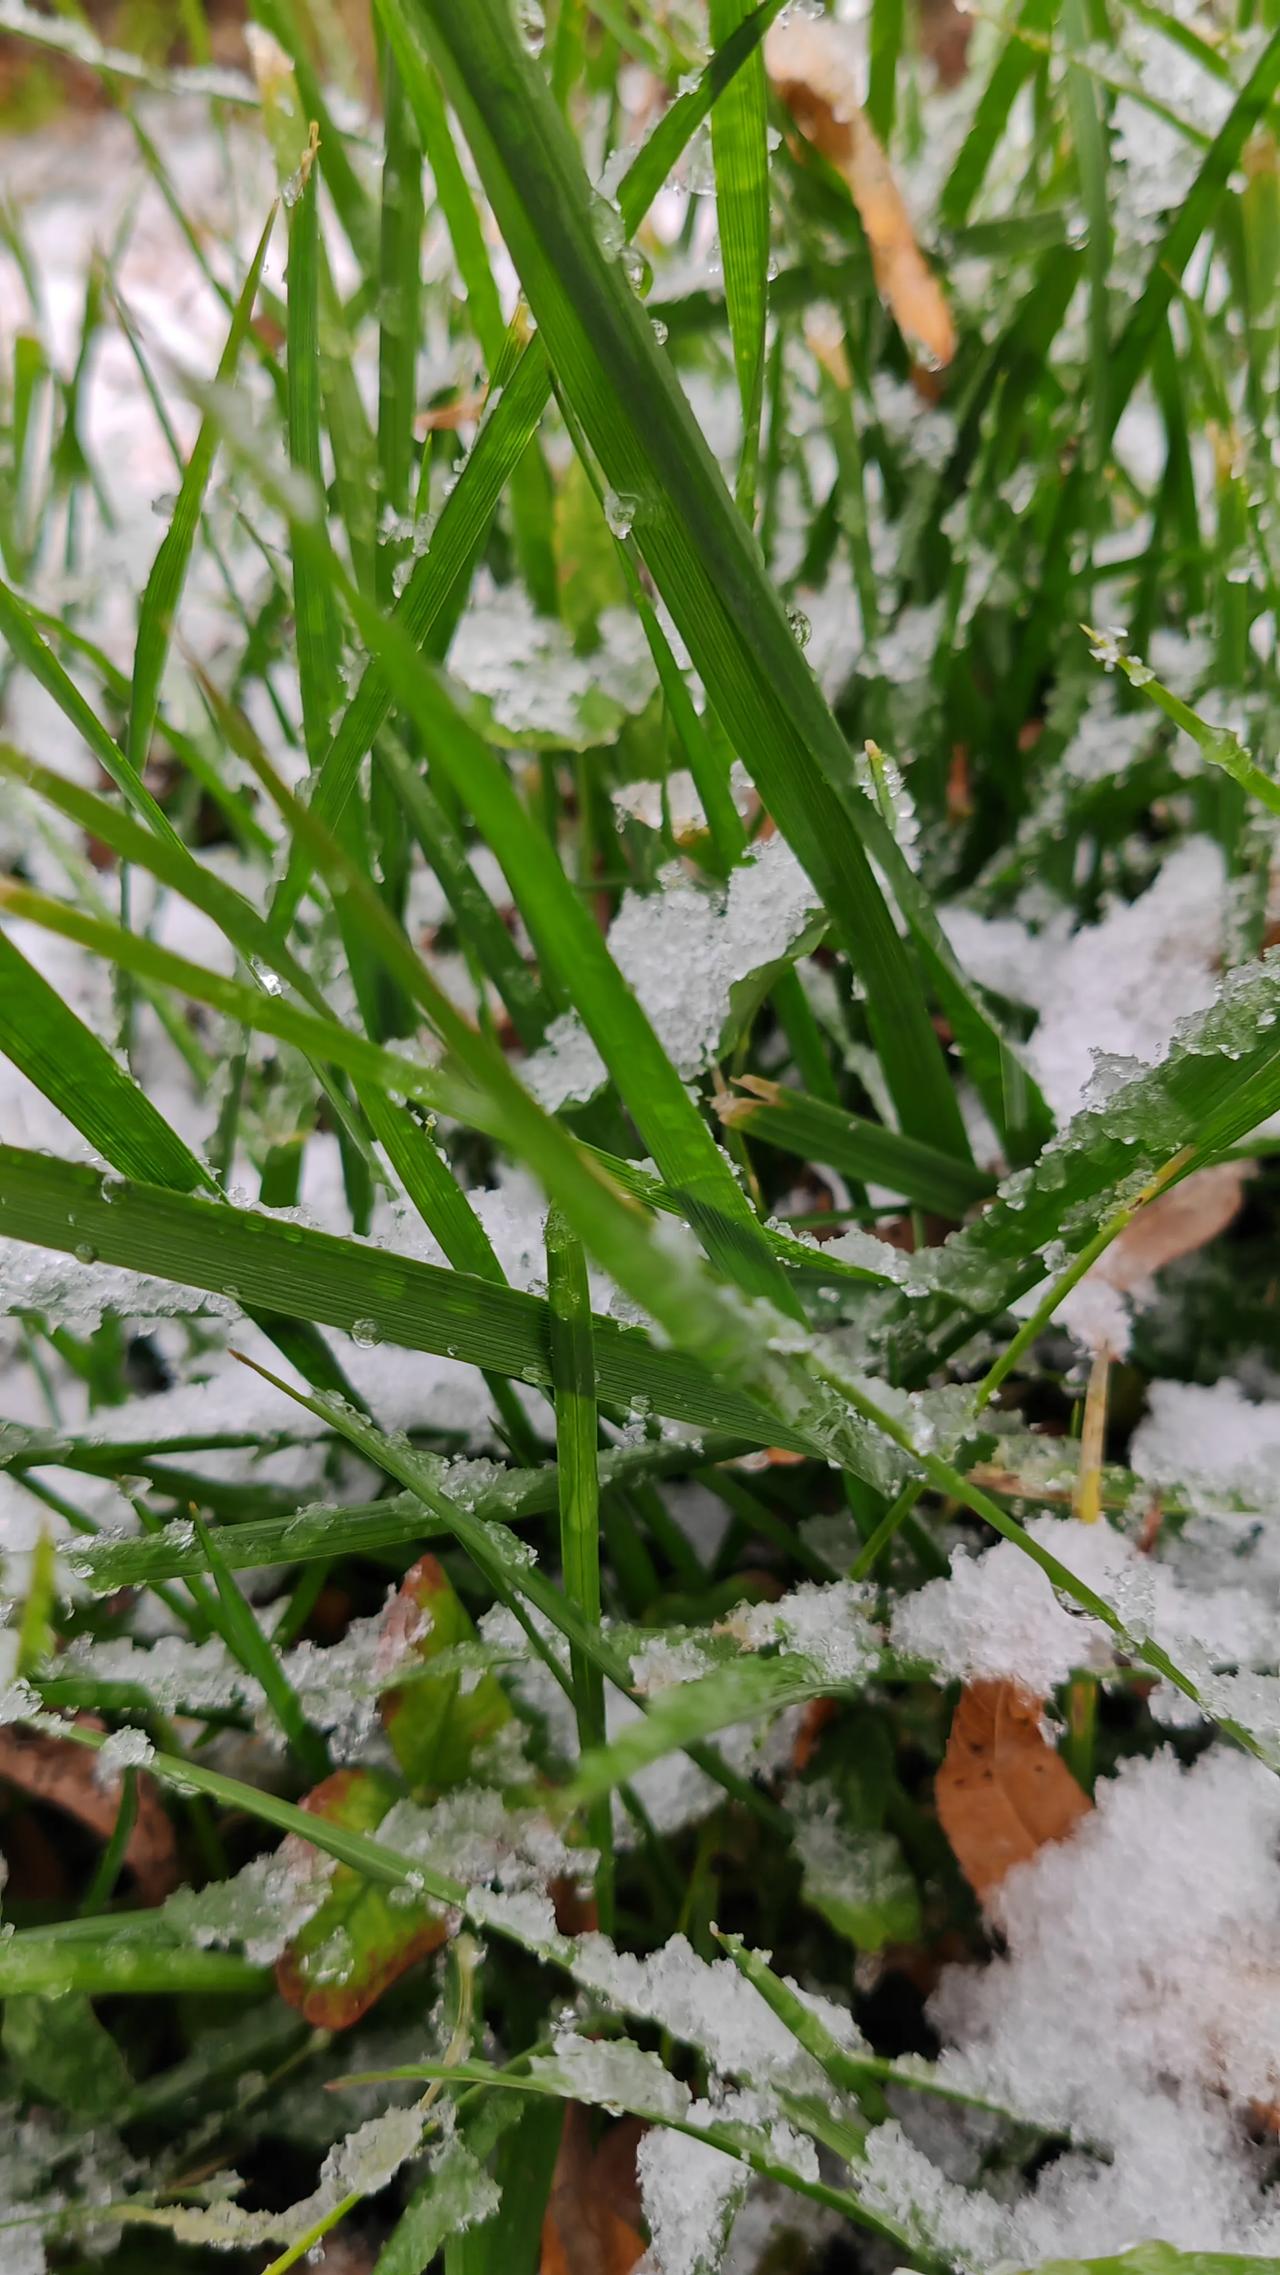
[702, 557]
[816, 1131]
[573, 1373]
[340, 1283]
[82, 1078]
[739, 124]
[158, 607]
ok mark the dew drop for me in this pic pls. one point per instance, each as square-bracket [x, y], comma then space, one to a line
[801, 628]
[85, 1252]
[620, 511]
[366, 1332]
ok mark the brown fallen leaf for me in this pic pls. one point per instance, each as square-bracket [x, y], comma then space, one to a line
[60, 1773]
[1175, 1224]
[1002, 1791]
[590, 2226]
[808, 60]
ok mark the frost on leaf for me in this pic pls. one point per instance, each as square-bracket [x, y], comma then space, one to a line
[435, 1725]
[363, 1935]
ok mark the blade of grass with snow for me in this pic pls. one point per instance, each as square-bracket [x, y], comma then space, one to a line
[696, 545]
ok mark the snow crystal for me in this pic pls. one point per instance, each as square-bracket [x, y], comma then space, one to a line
[644, 801]
[176, 1673]
[526, 668]
[931, 2214]
[1220, 1445]
[690, 2192]
[999, 1616]
[611, 2073]
[831, 1626]
[261, 1907]
[524, 1914]
[1118, 986]
[706, 2003]
[471, 1835]
[124, 1749]
[371, 2156]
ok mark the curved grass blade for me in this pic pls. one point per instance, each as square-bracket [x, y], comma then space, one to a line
[79, 1075]
[397, 1521]
[163, 590]
[19, 630]
[702, 557]
[339, 1283]
[815, 1131]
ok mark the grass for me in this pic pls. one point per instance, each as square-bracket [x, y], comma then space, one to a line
[380, 1213]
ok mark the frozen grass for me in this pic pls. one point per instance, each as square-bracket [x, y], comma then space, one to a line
[614, 971]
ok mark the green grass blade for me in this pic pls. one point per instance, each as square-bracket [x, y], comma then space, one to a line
[571, 949]
[121, 1968]
[437, 577]
[399, 310]
[339, 1283]
[815, 1131]
[702, 557]
[1012, 68]
[884, 45]
[315, 617]
[739, 124]
[22, 635]
[422, 89]
[80, 1076]
[573, 1371]
[682, 118]
[158, 607]
[478, 921]
[254, 1652]
[689, 1713]
[366, 1526]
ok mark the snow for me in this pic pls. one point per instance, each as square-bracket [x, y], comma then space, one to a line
[690, 2192]
[261, 1908]
[685, 950]
[526, 668]
[1115, 988]
[611, 2073]
[1212, 1439]
[1138, 2007]
[705, 2003]
[998, 1615]
[831, 1626]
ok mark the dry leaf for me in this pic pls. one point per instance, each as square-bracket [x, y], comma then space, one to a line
[61, 1773]
[590, 2224]
[1175, 1224]
[809, 62]
[1002, 1790]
